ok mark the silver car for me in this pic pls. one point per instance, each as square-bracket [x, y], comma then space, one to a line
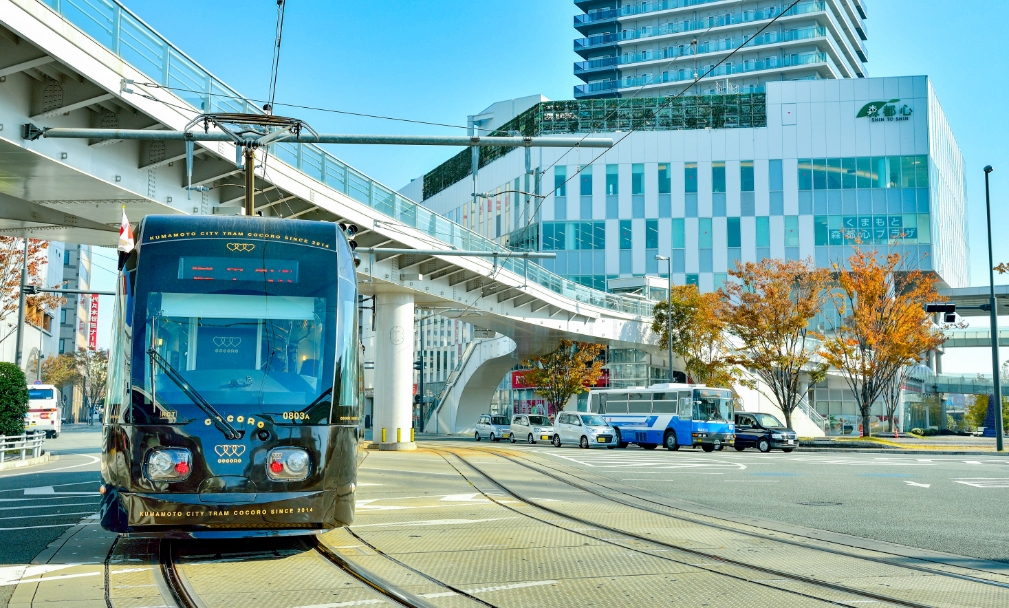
[583, 430]
[494, 428]
[532, 428]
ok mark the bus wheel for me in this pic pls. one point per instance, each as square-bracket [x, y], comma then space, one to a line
[707, 447]
[670, 441]
[648, 446]
[617, 440]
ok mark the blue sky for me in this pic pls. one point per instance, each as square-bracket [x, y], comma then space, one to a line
[439, 60]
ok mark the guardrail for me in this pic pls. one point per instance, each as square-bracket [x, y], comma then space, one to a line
[23, 443]
[813, 415]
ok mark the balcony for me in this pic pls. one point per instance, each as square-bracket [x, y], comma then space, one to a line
[767, 38]
[607, 15]
[686, 76]
[611, 39]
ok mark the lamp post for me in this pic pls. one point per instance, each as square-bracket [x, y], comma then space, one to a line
[669, 311]
[993, 313]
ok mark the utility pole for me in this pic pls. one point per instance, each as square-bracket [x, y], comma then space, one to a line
[19, 349]
[996, 379]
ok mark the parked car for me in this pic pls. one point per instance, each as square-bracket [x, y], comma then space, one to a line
[494, 428]
[764, 432]
[532, 428]
[583, 430]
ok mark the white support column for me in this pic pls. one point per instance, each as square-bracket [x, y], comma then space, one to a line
[393, 405]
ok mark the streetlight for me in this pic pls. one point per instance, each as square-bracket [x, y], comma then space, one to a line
[993, 313]
[669, 312]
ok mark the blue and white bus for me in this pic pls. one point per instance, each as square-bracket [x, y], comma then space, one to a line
[672, 415]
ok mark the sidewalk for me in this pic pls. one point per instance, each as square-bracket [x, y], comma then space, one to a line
[906, 444]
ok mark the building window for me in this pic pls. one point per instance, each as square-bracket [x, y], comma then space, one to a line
[863, 173]
[62, 346]
[720, 279]
[690, 177]
[746, 176]
[625, 234]
[732, 232]
[763, 232]
[637, 179]
[574, 236]
[704, 233]
[791, 231]
[651, 234]
[718, 177]
[612, 179]
[692, 279]
[665, 179]
[585, 180]
[66, 258]
[775, 176]
[677, 233]
[560, 181]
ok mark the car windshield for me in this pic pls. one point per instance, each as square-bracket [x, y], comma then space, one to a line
[590, 420]
[499, 420]
[768, 421]
[539, 420]
[710, 406]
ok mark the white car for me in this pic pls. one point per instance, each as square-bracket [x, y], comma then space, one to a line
[532, 428]
[584, 430]
[494, 428]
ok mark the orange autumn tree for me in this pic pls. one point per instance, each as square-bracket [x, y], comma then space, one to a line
[567, 371]
[693, 322]
[11, 259]
[768, 309]
[884, 326]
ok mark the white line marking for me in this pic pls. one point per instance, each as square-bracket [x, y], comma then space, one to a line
[465, 498]
[983, 482]
[47, 515]
[66, 576]
[94, 460]
[917, 485]
[49, 491]
[491, 589]
[39, 527]
[341, 604]
[29, 507]
[435, 522]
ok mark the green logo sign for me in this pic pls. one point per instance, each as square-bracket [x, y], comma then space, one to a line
[885, 111]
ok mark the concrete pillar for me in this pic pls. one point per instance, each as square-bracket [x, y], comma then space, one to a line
[393, 405]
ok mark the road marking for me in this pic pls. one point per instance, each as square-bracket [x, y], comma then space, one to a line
[464, 498]
[24, 507]
[490, 589]
[983, 482]
[361, 485]
[94, 460]
[916, 484]
[47, 515]
[750, 480]
[49, 491]
[342, 604]
[972, 462]
[39, 527]
[435, 522]
[66, 576]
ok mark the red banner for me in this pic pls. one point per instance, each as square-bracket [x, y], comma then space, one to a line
[519, 379]
[93, 322]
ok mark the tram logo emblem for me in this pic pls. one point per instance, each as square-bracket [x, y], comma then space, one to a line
[229, 451]
[243, 247]
[226, 341]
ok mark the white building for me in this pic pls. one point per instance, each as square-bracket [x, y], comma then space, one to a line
[661, 46]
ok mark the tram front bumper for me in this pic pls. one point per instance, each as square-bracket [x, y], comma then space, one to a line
[225, 514]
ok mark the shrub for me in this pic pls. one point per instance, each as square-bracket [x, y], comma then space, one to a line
[916, 431]
[13, 399]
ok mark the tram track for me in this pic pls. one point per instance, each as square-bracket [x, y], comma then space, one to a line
[663, 510]
[762, 572]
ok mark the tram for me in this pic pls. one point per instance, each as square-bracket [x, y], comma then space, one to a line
[671, 415]
[233, 402]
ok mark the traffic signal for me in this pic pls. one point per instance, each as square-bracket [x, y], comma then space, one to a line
[418, 365]
[416, 399]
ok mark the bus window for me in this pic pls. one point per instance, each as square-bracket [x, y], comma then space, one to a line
[639, 403]
[685, 404]
[616, 403]
[664, 403]
[597, 403]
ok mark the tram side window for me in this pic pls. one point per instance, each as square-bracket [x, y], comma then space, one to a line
[616, 403]
[639, 403]
[664, 403]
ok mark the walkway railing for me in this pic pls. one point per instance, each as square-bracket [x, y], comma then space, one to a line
[453, 379]
[116, 28]
[813, 415]
[23, 444]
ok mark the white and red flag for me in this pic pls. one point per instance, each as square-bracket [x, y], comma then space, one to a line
[126, 243]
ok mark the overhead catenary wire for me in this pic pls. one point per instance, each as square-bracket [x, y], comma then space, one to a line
[669, 100]
[275, 64]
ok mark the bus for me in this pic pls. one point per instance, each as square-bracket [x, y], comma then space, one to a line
[44, 409]
[671, 415]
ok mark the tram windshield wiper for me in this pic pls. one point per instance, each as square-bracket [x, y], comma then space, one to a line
[173, 375]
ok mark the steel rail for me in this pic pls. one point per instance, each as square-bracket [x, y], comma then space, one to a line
[695, 552]
[182, 592]
[604, 496]
[373, 581]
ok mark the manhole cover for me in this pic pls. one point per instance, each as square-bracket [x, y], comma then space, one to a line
[820, 503]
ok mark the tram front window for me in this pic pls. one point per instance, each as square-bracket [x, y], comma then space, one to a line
[250, 335]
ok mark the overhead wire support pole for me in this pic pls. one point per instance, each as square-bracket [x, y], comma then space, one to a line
[250, 180]
[993, 313]
[19, 348]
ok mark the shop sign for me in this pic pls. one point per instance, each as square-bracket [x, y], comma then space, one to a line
[886, 111]
[93, 320]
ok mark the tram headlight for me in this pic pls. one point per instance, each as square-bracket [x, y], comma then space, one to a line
[288, 464]
[169, 464]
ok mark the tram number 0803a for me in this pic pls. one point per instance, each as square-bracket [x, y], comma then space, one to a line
[234, 386]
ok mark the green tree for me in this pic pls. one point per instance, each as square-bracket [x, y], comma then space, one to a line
[13, 399]
[693, 322]
[567, 371]
[977, 410]
[93, 367]
[60, 370]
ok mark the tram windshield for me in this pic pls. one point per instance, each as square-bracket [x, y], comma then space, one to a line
[250, 328]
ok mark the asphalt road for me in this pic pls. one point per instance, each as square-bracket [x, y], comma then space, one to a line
[39, 504]
[953, 504]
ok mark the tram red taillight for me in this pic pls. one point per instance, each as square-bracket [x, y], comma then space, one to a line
[182, 468]
[276, 467]
[288, 464]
